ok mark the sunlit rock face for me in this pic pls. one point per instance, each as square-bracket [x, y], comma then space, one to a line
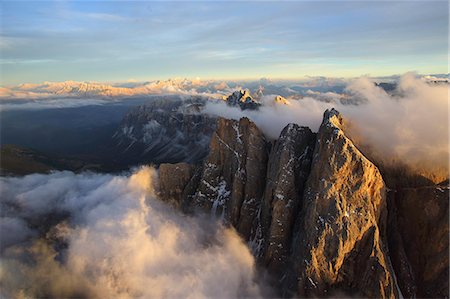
[314, 211]
[339, 247]
[280, 100]
[242, 99]
[419, 240]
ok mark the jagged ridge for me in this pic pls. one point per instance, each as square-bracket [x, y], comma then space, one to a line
[317, 222]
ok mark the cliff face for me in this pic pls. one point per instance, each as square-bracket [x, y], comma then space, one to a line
[419, 240]
[243, 100]
[314, 211]
[167, 130]
[173, 180]
[339, 247]
[288, 168]
[233, 175]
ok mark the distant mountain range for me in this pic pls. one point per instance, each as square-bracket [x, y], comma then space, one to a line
[15, 160]
[175, 129]
[164, 129]
[212, 88]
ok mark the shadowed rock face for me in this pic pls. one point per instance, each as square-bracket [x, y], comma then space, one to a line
[173, 181]
[167, 130]
[288, 168]
[233, 177]
[419, 240]
[243, 100]
[339, 244]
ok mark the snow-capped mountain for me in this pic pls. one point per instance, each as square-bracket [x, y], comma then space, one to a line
[95, 89]
[174, 128]
[169, 129]
[211, 88]
[242, 99]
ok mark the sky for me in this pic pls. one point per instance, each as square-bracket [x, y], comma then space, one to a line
[111, 41]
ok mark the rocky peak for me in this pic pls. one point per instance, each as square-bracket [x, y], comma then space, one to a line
[259, 93]
[288, 168]
[332, 117]
[315, 213]
[243, 99]
[165, 130]
[281, 100]
[233, 177]
[340, 246]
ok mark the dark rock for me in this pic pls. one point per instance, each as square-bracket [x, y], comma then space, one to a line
[233, 176]
[242, 99]
[173, 179]
[288, 168]
[419, 240]
[166, 130]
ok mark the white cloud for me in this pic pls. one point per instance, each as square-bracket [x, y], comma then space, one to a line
[123, 242]
[74, 89]
[410, 125]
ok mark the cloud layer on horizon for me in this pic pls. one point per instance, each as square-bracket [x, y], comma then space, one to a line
[407, 123]
[410, 124]
[313, 86]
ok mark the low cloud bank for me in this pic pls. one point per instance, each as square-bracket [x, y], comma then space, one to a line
[50, 104]
[409, 125]
[113, 239]
[70, 89]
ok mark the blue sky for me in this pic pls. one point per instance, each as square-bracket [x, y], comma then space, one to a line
[145, 40]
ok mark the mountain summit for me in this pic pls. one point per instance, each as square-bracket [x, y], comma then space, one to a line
[315, 211]
[243, 99]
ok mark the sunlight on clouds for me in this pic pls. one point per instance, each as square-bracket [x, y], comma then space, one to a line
[122, 242]
[410, 125]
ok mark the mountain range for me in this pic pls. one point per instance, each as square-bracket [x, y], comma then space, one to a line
[212, 88]
[318, 215]
[322, 216]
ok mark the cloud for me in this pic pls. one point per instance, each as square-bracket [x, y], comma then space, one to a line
[50, 104]
[119, 241]
[96, 90]
[409, 125]
[325, 96]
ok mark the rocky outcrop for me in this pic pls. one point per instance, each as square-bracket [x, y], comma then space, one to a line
[339, 250]
[317, 214]
[288, 168]
[242, 99]
[166, 130]
[280, 100]
[233, 176]
[419, 240]
[173, 180]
